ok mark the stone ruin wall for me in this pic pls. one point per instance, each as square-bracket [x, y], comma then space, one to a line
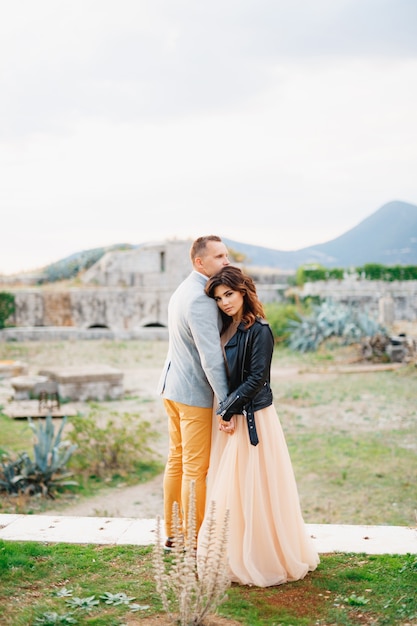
[130, 290]
[131, 308]
[115, 308]
[386, 301]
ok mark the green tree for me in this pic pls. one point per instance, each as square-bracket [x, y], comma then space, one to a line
[278, 315]
[7, 307]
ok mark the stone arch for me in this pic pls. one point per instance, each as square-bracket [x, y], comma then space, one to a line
[100, 326]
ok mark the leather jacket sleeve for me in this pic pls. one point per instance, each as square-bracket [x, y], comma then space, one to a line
[252, 380]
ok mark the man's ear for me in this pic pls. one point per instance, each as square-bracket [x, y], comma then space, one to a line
[198, 263]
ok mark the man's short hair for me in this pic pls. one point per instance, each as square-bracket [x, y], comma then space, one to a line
[200, 244]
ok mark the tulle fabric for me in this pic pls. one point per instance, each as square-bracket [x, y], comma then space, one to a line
[268, 543]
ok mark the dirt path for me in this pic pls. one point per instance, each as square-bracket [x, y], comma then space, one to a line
[139, 501]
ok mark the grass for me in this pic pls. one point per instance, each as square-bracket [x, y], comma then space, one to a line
[126, 354]
[352, 440]
[352, 437]
[346, 589]
[355, 479]
[16, 436]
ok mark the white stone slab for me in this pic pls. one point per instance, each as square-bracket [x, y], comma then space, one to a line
[328, 538]
[7, 518]
[141, 532]
[54, 529]
[8, 369]
[367, 539]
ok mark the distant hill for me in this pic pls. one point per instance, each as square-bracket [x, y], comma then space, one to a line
[65, 269]
[72, 265]
[387, 237]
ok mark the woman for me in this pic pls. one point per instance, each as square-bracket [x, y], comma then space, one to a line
[250, 470]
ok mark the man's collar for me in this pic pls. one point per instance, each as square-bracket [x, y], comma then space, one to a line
[200, 274]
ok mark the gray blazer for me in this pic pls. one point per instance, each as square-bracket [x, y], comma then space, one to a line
[194, 366]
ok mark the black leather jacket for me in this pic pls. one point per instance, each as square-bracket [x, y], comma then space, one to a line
[248, 360]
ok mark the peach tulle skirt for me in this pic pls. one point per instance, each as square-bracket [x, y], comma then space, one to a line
[268, 543]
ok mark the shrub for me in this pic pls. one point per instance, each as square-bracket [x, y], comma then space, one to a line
[374, 271]
[117, 446]
[369, 271]
[7, 307]
[278, 316]
[317, 272]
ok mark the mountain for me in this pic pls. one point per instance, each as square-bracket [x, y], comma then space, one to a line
[387, 237]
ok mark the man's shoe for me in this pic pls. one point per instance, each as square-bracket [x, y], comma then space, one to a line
[169, 544]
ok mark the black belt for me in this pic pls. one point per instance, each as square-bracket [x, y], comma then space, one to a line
[250, 420]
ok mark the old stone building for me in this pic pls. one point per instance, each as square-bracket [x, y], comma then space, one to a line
[125, 290]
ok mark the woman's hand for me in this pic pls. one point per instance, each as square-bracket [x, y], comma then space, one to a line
[228, 427]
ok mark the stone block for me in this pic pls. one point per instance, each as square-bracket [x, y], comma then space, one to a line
[8, 369]
[23, 385]
[87, 382]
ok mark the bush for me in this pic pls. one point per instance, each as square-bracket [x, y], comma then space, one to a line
[374, 271]
[310, 274]
[117, 446]
[278, 316]
[7, 307]
[369, 271]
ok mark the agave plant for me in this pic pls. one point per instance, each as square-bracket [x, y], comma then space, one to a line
[331, 320]
[14, 473]
[47, 471]
[51, 455]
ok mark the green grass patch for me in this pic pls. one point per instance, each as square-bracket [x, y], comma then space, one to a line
[393, 388]
[16, 436]
[354, 479]
[345, 589]
[352, 437]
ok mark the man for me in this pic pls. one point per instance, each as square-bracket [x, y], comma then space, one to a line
[194, 369]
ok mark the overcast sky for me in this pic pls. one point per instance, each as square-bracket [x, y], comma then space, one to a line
[281, 123]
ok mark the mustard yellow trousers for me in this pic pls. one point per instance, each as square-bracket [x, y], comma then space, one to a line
[189, 430]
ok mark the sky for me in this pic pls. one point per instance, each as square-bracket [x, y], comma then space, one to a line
[280, 123]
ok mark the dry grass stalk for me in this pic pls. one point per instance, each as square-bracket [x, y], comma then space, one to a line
[188, 595]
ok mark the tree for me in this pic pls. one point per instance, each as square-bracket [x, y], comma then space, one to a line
[7, 307]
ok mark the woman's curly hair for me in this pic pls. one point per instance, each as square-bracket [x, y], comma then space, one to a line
[236, 280]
